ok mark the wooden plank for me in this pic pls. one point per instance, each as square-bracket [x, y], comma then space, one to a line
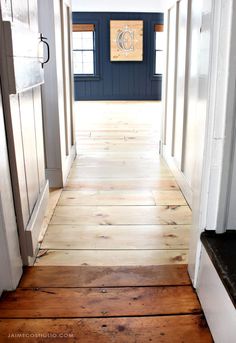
[110, 257]
[92, 161]
[130, 140]
[123, 184]
[117, 148]
[107, 163]
[116, 126]
[89, 276]
[145, 151]
[122, 215]
[124, 198]
[117, 139]
[98, 302]
[116, 176]
[117, 237]
[169, 198]
[88, 156]
[122, 144]
[136, 171]
[117, 133]
[174, 329]
[123, 120]
[95, 198]
[93, 173]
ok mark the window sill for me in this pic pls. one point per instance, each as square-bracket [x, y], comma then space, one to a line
[86, 77]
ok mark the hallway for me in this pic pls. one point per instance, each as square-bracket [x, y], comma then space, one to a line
[118, 155]
[112, 265]
[121, 204]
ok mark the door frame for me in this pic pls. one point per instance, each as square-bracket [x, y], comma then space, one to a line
[212, 206]
[168, 152]
[58, 116]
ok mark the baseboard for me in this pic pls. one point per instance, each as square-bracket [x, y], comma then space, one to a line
[217, 306]
[57, 176]
[35, 224]
[179, 176]
[54, 177]
[68, 163]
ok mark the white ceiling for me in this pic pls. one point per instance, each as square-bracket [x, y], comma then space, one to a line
[120, 5]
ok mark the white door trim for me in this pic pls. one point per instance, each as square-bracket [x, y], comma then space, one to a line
[225, 118]
[221, 119]
[211, 214]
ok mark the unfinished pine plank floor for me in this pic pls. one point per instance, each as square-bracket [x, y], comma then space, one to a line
[121, 204]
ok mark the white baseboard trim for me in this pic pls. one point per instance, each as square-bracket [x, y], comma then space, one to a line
[179, 176]
[68, 163]
[57, 176]
[54, 176]
[35, 224]
[217, 306]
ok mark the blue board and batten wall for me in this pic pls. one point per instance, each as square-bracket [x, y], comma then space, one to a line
[120, 80]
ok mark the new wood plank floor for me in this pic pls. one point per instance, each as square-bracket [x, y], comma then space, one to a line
[112, 264]
[121, 204]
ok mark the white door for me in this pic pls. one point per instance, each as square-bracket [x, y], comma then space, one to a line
[21, 77]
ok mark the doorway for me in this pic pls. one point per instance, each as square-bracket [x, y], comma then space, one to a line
[118, 146]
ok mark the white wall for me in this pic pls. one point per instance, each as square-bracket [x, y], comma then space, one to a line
[179, 122]
[223, 170]
[57, 114]
[120, 6]
[188, 95]
[231, 220]
[198, 112]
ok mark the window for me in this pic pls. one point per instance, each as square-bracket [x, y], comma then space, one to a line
[158, 49]
[84, 49]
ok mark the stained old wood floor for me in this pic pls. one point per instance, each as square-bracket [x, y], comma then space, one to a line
[112, 264]
[103, 304]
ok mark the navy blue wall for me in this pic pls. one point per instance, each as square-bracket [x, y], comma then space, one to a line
[120, 80]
